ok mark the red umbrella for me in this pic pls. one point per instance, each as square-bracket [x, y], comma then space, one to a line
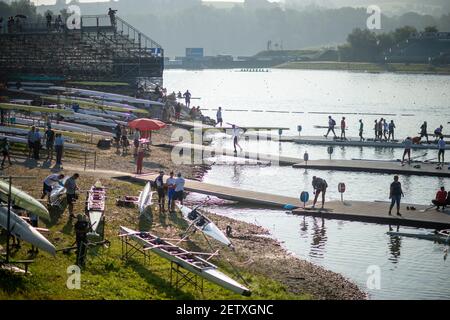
[144, 124]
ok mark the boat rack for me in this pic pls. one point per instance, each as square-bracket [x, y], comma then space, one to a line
[179, 276]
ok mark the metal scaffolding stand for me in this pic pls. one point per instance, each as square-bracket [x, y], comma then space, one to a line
[130, 249]
[179, 277]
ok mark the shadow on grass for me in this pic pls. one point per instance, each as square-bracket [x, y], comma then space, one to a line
[11, 283]
[146, 221]
[162, 285]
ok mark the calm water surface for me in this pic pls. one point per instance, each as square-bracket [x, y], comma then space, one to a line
[409, 268]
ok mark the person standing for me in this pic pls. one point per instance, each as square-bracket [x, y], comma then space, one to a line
[376, 130]
[391, 131]
[361, 130]
[331, 124]
[171, 184]
[112, 17]
[179, 188]
[395, 194]
[219, 116]
[140, 160]
[343, 127]
[424, 131]
[441, 152]
[81, 229]
[71, 192]
[48, 17]
[385, 130]
[320, 186]
[36, 144]
[30, 139]
[235, 133]
[5, 151]
[408, 145]
[187, 98]
[49, 142]
[59, 148]
[160, 188]
[136, 138]
[178, 111]
[380, 129]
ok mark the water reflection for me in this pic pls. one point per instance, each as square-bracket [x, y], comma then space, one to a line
[319, 238]
[394, 245]
[237, 172]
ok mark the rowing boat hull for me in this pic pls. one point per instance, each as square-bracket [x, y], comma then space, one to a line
[23, 200]
[209, 228]
[96, 206]
[145, 198]
[211, 273]
[23, 231]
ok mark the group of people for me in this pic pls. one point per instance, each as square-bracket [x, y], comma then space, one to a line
[196, 114]
[384, 131]
[58, 25]
[172, 187]
[53, 142]
[121, 139]
[12, 24]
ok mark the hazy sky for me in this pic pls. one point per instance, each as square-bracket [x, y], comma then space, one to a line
[39, 2]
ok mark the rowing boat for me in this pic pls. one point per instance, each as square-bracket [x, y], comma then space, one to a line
[203, 224]
[22, 230]
[23, 200]
[15, 139]
[95, 205]
[145, 198]
[185, 259]
[438, 236]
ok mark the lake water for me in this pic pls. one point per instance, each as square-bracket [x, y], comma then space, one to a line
[409, 268]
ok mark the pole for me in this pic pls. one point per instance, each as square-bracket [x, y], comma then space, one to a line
[95, 160]
[8, 223]
[85, 160]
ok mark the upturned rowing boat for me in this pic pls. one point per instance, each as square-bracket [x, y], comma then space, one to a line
[95, 205]
[145, 198]
[202, 223]
[185, 259]
[23, 200]
[22, 230]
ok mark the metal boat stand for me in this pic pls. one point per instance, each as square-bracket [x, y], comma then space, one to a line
[130, 249]
[179, 277]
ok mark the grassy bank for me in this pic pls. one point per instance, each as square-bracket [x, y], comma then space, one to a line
[367, 67]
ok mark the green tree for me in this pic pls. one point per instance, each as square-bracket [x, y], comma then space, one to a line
[431, 29]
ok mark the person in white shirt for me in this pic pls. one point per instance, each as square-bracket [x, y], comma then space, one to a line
[408, 144]
[235, 132]
[49, 182]
[441, 152]
[171, 182]
[179, 188]
[219, 116]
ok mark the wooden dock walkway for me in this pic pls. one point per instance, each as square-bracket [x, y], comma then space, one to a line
[377, 212]
[386, 167]
[228, 193]
[355, 142]
[210, 151]
[190, 125]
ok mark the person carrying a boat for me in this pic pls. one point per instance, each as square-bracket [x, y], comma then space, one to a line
[49, 182]
[320, 186]
[71, 192]
[161, 189]
[395, 194]
[441, 199]
[331, 124]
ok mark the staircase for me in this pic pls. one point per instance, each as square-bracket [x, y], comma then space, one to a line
[98, 51]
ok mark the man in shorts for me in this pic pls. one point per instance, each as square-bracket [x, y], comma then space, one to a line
[320, 186]
[408, 144]
[395, 195]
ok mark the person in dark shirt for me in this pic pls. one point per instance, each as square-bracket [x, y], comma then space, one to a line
[4, 147]
[49, 142]
[81, 229]
[395, 195]
[161, 189]
[320, 186]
